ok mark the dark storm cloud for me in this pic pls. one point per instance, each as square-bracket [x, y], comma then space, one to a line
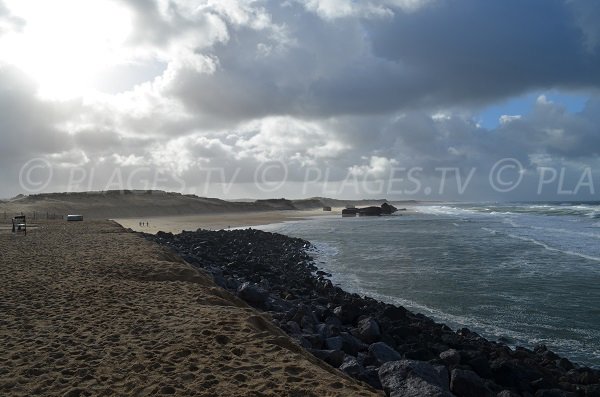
[471, 51]
[446, 54]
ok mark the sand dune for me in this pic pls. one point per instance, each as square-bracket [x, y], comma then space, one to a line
[89, 309]
[104, 205]
[154, 203]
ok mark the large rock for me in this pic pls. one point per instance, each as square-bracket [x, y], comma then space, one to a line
[352, 367]
[347, 313]
[293, 327]
[481, 366]
[368, 330]
[394, 313]
[346, 342]
[466, 383]
[513, 374]
[253, 294]
[383, 353]
[408, 378]
[351, 345]
[335, 358]
[451, 357]
[334, 343]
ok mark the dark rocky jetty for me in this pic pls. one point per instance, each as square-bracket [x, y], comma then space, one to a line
[387, 346]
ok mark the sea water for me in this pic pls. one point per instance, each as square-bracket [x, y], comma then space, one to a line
[522, 273]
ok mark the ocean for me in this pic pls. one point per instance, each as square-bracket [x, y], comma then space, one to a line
[521, 273]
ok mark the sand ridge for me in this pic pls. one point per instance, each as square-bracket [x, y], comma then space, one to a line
[90, 309]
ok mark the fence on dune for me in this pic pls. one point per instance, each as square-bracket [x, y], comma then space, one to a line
[34, 216]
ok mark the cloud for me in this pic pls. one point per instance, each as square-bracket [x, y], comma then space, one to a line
[355, 88]
[472, 51]
[439, 55]
[27, 124]
[333, 9]
[8, 21]
[587, 14]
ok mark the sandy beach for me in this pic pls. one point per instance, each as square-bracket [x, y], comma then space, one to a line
[177, 224]
[90, 309]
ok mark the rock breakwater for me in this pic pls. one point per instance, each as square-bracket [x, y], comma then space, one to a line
[386, 346]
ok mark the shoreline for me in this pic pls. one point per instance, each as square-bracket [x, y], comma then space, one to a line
[218, 221]
[227, 220]
[360, 335]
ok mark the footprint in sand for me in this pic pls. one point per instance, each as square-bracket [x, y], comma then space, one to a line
[222, 339]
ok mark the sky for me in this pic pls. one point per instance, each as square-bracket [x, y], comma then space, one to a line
[403, 99]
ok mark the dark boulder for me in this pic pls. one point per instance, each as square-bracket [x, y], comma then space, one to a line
[565, 364]
[383, 353]
[368, 330]
[468, 384]
[352, 367]
[394, 313]
[514, 374]
[335, 358]
[347, 313]
[420, 354]
[407, 378]
[352, 345]
[481, 366]
[253, 294]
[334, 343]
[164, 235]
[450, 357]
[293, 328]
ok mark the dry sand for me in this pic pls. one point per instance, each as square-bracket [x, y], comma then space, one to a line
[89, 309]
[176, 224]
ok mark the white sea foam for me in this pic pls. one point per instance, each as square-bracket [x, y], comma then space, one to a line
[491, 231]
[443, 210]
[565, 231]
[549, 248]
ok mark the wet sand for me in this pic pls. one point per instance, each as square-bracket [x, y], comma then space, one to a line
[90, 309]
[176, 224]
